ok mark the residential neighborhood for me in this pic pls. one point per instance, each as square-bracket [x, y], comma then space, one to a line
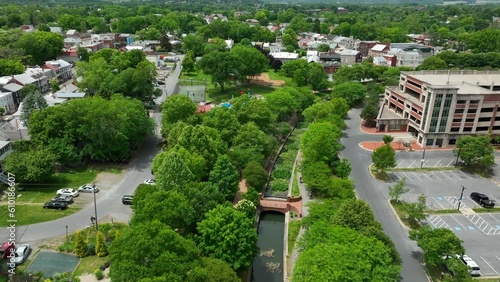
[250, 141]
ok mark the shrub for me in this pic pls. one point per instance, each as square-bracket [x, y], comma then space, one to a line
[67, 247]
[279, 185]
[81, 249]
[101, 248]
[91, 249]
[282, 173]
[98, 274]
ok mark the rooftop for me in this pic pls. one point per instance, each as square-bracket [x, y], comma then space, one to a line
[284, 55]
[468, 81]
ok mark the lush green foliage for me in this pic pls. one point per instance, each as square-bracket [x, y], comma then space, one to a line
[437, 243]
[475, 151]
[384, 157]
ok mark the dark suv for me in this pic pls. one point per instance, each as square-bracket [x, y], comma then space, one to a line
[127, 199]
[482, 200]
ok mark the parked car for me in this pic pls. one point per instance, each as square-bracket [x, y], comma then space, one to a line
[88, 188]
[150, 181]
[127, 199]
[55, 205]
[63, 198]
[482, 200]
[471, 265]
[67, 191]
[22, 253]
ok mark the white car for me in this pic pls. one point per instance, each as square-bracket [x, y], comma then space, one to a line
[67, 191]
[22, 253]
[150, 181]
[88, 188]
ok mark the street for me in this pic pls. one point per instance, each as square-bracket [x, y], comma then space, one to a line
[108, 202]
[369, 190]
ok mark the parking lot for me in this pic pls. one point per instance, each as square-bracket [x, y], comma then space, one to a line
[431, 176]
[480, 232]
[416, 163]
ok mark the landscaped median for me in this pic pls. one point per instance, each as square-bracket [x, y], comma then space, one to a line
[30, 197]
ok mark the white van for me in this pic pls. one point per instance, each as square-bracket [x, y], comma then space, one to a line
[472, 265]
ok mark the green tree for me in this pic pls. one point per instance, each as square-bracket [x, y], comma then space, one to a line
[251, 137]
[342, 168]
[54, 85]
[218, 271]
[172, 171]
[194, 43]
[177, 108]
[10, 67]
[81, 248]
[229, 235]
[225, 121]
[433, 63]
[387, 139]
[282, 102]
[251, 62]
[83, 54]
[352, 92]
[188, 63]
[100, 247]
[221, 66]
[369, 112]
[475, 151]
[32, 165]
[152, 250]
[41, 45]
[254, 110]
[319, 142]
[247, 207]
[255, 175]
[324, 47]
[225, 177]
[28, 89]
[416, 210]
[384, 157]
[31, 103]
[396, 191]
[437, 243]
[333, 111]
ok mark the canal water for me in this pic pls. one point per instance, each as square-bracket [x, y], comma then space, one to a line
[268, 263]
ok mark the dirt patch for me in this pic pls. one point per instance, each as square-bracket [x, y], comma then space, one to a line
[108, 179]
[263, 79]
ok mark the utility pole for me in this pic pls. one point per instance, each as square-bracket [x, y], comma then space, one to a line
[460, 200]
[95, 206]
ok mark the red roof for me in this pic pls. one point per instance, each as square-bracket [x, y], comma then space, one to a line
[204, 108]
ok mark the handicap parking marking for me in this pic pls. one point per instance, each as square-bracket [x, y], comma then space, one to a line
[458, 222]
[438, 200]
[457, 228]
[471, 228]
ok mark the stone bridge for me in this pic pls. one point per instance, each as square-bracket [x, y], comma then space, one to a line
[281, 205]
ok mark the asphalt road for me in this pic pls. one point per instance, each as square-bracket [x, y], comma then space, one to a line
[108, 202]
[369, 190]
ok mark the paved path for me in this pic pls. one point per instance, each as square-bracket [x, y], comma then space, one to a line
[368, 189]
[108, 202]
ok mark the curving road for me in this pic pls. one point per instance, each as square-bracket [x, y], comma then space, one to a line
[369, 190]
[108, 202]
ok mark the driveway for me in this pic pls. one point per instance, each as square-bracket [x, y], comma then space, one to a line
[108, 202]
[368, 189]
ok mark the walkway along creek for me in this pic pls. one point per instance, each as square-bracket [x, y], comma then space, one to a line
[270, 263]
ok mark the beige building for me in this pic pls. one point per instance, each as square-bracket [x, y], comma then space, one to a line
[438, 107]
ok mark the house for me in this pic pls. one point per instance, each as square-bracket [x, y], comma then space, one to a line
[379, 50]
[427, 51]
[345, 42]
[24, 79]
[5, 150]
[252, 22]
[331, 61]
[56, 29]
[229, 43]
[276, 47]
[240, 13]
[72, 38]
[214, 17]
[68, 95]
[61, 68]
[107, 40]
[15, 90]
[412, 58]
[349, 57]
[365, 46]
[28, 28]
[284, 56]
[7, 102]
[312, 56]
[42, 77]
[342, 10]
[439, 107]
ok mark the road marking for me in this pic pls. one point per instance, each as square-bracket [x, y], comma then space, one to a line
[471, 228]
[411, 164]
[497, 257]
[406, 176]
[399, 164]
[446, 175]
[449, 164]
[457, 228]
[394, 173]
[466, 175]
[440, 199]
[456, 175]
[425, 174]
[489, 265]
[439, 178]
[498, 226]
[417, 176]
[437, 163]
[458, 222]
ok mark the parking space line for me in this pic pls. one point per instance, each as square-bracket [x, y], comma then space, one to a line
[497, 257]
[493, 217]
[494, 199]
[449, 164]
[435, 200]
[399, 164]
[446, 175]
[457, 175]
[489, 265]
[458, 222]
[407, 177]
[465, 174]
[412, 163]
[436, 175]
[417, 176]
[437, 163]
[425, 174]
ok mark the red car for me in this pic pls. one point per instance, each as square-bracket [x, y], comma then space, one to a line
[6, 249]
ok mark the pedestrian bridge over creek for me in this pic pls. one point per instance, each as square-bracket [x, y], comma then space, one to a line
[281, 205]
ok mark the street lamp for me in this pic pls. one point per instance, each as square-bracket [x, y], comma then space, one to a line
[460, 200]
[95, 206]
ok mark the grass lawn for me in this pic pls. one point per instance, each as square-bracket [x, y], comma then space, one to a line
[293, 232]
[399, 207]
[277, 76]
[87, 265]
[443, 211]
[380, 175]
[35, 213]
[233, 91]
[295, 185]
[483, 210]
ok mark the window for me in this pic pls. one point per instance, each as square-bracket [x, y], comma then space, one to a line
[481, 119]
[467, 129]
[459, 111]
[496, 127]
[482, 128]
[469, 120]
[486, 110]
[429, 142]
[471, 111]
[461, 101]
[457, 120]
[474, 102]
[497, 118]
